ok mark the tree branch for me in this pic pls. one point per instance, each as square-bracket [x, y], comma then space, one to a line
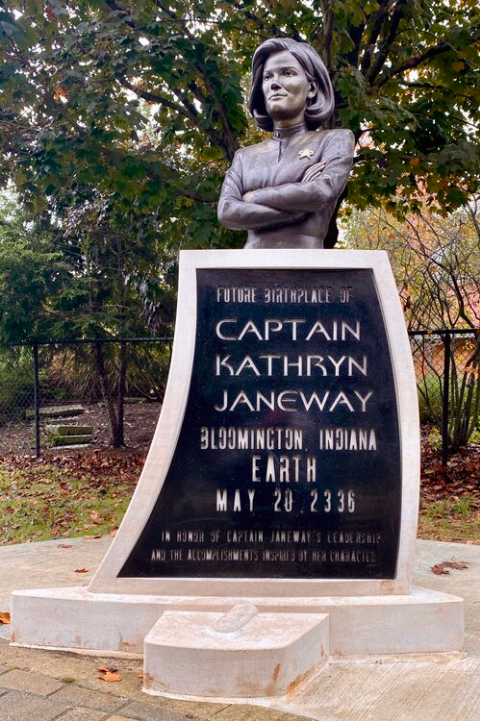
[327, 43]
[115, 7]
[377, 17]
[419, 58]
[380, 58]
[191, 113]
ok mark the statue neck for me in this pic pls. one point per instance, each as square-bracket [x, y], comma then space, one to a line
[289, 132]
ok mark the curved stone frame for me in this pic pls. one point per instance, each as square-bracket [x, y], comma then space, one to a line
[170, 422]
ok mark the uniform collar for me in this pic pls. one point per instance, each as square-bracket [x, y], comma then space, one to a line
[281, 133]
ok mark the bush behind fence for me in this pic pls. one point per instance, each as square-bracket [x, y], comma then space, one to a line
[38, 380]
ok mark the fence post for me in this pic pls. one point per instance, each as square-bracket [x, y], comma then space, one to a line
[36, 400]
[446, 393]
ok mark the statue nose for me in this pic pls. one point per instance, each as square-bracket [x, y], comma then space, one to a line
[275, 85]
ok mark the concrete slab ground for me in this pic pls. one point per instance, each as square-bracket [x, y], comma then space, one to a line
[47, 686]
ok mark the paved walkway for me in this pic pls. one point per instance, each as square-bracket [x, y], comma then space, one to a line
[45, 686]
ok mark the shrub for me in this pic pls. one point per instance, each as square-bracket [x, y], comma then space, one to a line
[16, 383]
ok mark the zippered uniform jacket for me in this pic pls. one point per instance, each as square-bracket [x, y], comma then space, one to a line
[284, 208]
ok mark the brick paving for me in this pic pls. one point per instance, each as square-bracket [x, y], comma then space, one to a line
[73, 695]
[28, 682]
[30, 696]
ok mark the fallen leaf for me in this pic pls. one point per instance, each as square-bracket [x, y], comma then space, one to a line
[107, 669]
[440, 569]
[113, 533]
[64, 545]
[4, 617]
[82, 570]
[96, 517]
[110, 677]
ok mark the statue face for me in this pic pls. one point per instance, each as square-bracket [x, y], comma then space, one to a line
[286, 89]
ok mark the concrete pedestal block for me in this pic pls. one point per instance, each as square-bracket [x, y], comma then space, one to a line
[213, 655]
[236, 647]
[423, 621]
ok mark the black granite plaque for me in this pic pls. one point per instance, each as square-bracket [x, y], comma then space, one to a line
[288, 460]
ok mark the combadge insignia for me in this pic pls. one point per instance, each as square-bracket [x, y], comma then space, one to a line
[305, 153]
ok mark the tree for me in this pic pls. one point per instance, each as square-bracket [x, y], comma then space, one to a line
[31, 272]
[436, 262]
[81, 280]
[143, 100]
[137, 108]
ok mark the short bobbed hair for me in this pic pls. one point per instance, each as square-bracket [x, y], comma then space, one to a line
[319, 108]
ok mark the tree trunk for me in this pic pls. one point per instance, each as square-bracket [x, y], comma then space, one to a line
[114, 410]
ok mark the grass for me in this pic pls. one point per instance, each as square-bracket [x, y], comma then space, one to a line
[455, 519]
[66, 496]
[43, 501]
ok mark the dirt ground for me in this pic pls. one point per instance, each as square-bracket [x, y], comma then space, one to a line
[140, 422]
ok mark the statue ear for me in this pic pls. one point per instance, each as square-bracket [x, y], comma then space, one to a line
[313, 88]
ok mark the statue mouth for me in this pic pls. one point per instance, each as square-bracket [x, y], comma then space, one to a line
[277, 96]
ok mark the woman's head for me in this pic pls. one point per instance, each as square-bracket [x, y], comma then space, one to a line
[320, 103]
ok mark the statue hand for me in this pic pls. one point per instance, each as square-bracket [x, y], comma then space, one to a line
[313, 172]
[249, 197]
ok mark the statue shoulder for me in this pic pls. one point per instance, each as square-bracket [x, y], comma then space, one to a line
[266, 146]
[339, 136]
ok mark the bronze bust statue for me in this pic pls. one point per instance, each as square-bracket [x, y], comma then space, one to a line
[284, 190]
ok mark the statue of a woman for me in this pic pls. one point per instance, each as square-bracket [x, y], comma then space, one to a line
[284, 190]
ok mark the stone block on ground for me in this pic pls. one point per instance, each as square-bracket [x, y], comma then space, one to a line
[75, 409]
[72, 440]
[69, 430]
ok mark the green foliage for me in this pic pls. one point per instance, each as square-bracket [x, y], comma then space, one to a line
[430, 392]
[119, 119]
[16, 384]
[143, 101]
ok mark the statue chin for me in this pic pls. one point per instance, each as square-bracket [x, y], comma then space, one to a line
[286, 237]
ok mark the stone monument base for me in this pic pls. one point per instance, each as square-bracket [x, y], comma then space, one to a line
[221, 647]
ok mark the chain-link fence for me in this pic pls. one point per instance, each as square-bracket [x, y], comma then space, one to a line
[70, 393]
[447, 370]
[109, 392]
